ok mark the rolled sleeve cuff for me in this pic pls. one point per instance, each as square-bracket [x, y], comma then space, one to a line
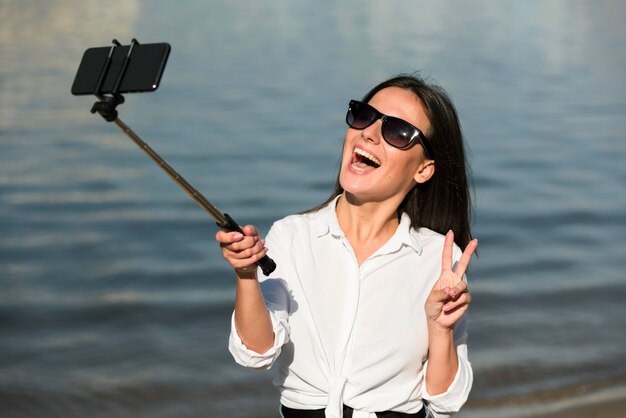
[248, 358]
[450, 401]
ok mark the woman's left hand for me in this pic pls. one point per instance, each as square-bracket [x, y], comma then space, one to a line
[449, 297]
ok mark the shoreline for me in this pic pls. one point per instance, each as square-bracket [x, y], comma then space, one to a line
[610, 409]
[605, 402]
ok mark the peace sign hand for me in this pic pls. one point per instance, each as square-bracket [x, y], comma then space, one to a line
[449, 297]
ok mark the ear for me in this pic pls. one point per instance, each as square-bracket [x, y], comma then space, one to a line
[424, 172]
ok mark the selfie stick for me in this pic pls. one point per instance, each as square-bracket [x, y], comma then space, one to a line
[106, 108]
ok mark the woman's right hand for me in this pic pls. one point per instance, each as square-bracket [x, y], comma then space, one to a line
[242, 251]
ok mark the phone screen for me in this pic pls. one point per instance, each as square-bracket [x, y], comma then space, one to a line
[145, 68]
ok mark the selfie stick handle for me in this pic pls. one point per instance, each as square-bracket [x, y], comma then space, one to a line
[223, 220]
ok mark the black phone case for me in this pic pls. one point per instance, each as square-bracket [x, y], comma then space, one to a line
[143, 73]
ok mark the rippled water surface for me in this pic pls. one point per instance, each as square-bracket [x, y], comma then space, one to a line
[114, 299]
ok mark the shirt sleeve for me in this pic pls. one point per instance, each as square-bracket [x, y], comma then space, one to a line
[449, 402]
[276, 295]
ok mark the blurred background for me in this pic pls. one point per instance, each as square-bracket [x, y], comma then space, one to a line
[114, 298]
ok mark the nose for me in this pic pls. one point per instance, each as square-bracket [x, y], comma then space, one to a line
[373, 133]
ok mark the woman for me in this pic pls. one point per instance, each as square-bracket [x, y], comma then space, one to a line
[364, 315]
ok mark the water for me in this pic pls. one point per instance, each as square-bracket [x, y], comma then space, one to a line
[114, 299]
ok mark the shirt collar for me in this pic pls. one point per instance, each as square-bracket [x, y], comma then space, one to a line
[407, 235]
[327, 222]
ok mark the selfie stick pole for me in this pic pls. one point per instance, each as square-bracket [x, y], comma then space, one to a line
[106, 108]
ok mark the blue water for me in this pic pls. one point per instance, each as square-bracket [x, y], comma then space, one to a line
[114, 299]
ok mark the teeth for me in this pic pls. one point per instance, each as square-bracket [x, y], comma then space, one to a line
[367, 155]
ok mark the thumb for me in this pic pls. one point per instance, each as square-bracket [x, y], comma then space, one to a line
[440, 294]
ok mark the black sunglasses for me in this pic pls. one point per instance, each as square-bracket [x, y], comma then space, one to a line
[396, 132]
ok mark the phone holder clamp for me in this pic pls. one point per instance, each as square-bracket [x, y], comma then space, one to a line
[106, 106]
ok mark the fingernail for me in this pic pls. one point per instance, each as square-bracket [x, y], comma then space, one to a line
[238, 236]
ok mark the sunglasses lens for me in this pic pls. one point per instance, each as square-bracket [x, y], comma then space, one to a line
[398, 133]
[360, 115]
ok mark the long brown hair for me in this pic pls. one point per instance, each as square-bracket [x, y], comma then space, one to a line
[443, 202]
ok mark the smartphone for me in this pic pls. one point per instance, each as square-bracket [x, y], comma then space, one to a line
[143, 74]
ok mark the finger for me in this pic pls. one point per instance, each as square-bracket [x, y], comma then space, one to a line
[245, 248]
[245, 261]
[466, 257]
[224, 237]
[243, 244]
[446, 256]
[459, 289]
[457, 312]
[250, 230]
[464, 300]
[250, 238]
[248, 263]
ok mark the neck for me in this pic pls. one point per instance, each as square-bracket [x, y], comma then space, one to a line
[366, 221]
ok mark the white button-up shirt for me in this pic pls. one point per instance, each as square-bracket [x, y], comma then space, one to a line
[350, 334]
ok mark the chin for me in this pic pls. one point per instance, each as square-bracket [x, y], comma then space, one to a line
[358, 190]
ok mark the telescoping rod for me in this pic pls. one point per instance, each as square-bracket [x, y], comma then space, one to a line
[195, 194]
[223, 220]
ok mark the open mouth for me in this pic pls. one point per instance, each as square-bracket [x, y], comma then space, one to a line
[362, 159]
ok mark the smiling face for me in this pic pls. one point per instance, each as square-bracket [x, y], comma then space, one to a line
[373, 170]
